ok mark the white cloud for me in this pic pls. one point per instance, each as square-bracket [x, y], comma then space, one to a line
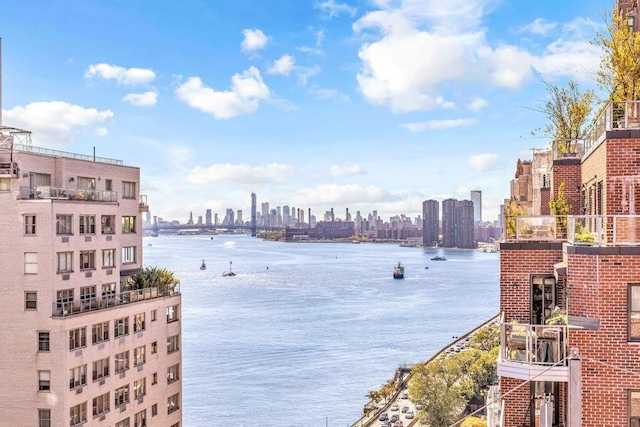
[484, 162]
[304, 73]
[339, 171]
[247, 90]
[333, 8]
[573, 59]
[254, 40]
[438, 124]
[54, 122]
[539, 26]
[282, 66]
[478, 104]
[241, 174]
[327, 194]
[328, 94]
[125, 76]
[147, 99]
[102, 131]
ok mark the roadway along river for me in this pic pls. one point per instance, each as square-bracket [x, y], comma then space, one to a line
[304, 330]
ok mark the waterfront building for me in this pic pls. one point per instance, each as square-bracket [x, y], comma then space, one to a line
[199, 219]
[254, 218]
[239, 220]
[190, 221]
[476, 198]
[265, 214]
[208, 217]
[285, 215]
[80, 346]
[448, 223]
[463, 226]
[430, 223]
[582, 370]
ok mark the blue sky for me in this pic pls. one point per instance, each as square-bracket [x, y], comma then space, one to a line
[366, 104]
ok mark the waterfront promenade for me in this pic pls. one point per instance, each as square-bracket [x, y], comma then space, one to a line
[402, 378]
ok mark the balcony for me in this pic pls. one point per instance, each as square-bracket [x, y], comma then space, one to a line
[114, 300]
[576, 230]
[142, 204]
[9, 169]
[64, 193]
[623, 115]
[533, 352]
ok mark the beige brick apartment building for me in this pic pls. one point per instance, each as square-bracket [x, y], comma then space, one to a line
[78, 348]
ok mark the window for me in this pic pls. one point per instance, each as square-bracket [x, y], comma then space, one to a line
[86, 183]
[173, 403]
[100, 369]
[39, 179]
[108, 184]
[87, 260]
[109, 290]
[77, 376]
[173, 344]
[100, 332]
[128, 254]
[44, 417]
[121, 327]
[172, 313]
[43, 341]
[154, 409]
[64, 224]
[139, 387]
[78, 414]
[138, 322]
[5, 184]
[44, 380]
[87, 293]
[128, 224]
[140, 419]
[108, 224]
[139, 355]
[108, 258]
[101, 405]
[173, 373]
[154, 378]
[154, 315]
[87, 224]
[634, 408]
[154, 347]
[29, 224]
[77, 338]
[121, 395]
[128, 190]
[65, 262]
[30, 263]
[64, 299]
[123, 423]
[121, 362]
[31, 300]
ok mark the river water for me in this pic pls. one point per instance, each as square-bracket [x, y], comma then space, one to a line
[304, 330]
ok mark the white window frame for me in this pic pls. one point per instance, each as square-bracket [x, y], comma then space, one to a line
[121, 362]
[121, 396]
[78, 414]
[101, 404]
[87, 260]
[139, 323]
[100, 332]
[30, 300]
[77, 377]
[129, 255]
[139, 355]
[44, 381]
[77, 338]
[65, 262]
[121, 327]
[128, 224]
[128, 190]
[30, 224]
[108, 258]
[31, 263]
[100, 369]
[87, 224]
[64, 224]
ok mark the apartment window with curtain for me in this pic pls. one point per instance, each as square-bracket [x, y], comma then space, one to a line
[77, 376]
[86, 183]
[101, 405]
[31, 300]
[44, 417]
[121, 395]
[44, 380]
[128, 190]
[87, 260]
[121, 362]
[78, 414]
[87, 224]
[65, 262]
[108, 258]
[100, 369]
[633, 316]
[30, 263]
[64, 224]
[29, 225]
[173, 403]
[108, 223]
[128, 224]
[128, 254]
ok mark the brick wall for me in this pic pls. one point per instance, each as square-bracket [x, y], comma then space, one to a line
[622, 187]
[545, 197]
[569, 172]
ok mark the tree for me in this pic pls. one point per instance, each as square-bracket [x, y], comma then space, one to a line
[486, 338]
[442, 389]
[152, 277]
[619, 72]
[511, 211]
[483, 371]
[560, 209]
[568, 111]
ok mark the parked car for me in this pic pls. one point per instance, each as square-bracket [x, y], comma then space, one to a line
[398, 424]
[383, 417]
[408, 415]
[405, 408]
[394, 418]
[418, 406]
[385, 424]
[394, 407]
[405, 395]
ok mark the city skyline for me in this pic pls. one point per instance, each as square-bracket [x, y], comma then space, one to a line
[375, 104]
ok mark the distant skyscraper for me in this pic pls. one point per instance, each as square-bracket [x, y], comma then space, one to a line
[216, 220]
[148, 219]
[190, 218]
[239, 220]
[199, 219]
[208, 217]
[254, 220]
[265, 214]
[448, 223]
[464, 224]
[430, 223]
[285, 215]
[476, 198]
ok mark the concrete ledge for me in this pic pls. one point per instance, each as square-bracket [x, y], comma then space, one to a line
[602, 250]
[536, 246]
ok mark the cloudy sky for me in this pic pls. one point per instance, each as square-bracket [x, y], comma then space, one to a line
[366, 104]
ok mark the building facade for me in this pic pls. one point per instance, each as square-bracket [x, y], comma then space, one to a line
[430, 223]
[84, 349]
[476, 198]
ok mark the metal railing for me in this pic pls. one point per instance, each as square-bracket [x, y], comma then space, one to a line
[143, 200]
[57, 153]
[62, 309]
[533, 344]
[9, 169]
[619, 115]
[65, 193]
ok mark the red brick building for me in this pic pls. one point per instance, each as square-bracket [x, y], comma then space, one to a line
[587, 265]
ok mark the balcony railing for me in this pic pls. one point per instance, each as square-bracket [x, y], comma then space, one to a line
[616, 116]
[578, 230]
[142, 204]
[9, 169]
[532, 344]
[99, 303]
[65, 193]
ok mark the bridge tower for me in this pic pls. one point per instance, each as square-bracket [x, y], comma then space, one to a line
[253, 215]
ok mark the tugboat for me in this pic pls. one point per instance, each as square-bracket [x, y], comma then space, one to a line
[203, 266]
[439, 258]
[230, 273]
[398, 272]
